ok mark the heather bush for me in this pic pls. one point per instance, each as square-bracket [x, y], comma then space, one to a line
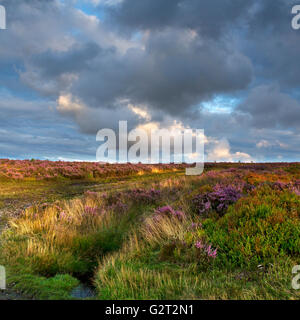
[144, 196]
[168, 211]
[119, 201]
[199, 253]
[218, 200]
[258, 229]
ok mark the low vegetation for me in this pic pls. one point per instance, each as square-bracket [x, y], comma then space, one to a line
[231, 233]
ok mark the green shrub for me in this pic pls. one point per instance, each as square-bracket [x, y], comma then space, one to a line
[257, 229]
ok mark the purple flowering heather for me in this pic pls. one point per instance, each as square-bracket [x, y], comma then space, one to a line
[218, 200]
[144, 195]
[291, 186]
[168, 210]
[90, 211]
[118, 207]
[295, 187]
[296, 191]
[64, 216]
[91, 193]
[199, 245]
[195, 226]
[165, 209]
[212, 253]
[278, 185]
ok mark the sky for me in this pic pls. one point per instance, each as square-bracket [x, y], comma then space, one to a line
[70, 68]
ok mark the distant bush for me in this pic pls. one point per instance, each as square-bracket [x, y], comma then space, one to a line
[144, 196]
[47, 170]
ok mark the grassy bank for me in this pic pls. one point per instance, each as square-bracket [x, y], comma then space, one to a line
[232, 233]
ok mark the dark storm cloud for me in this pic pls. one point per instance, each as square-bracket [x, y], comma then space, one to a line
[210, 18]
[271, 43]
[172, 73]
[267, 107]
[74, 60]
[181, 62]
[263, 26]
